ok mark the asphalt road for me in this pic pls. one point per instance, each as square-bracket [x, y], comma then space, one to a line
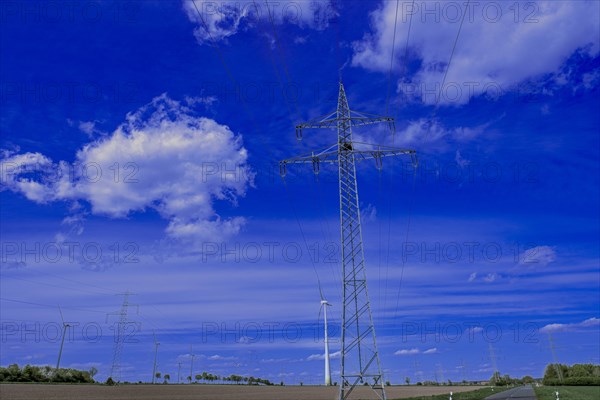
[520, 393]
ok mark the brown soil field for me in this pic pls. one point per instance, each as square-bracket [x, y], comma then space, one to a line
[204, 392]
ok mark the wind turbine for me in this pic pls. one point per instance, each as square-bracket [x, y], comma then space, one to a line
[155, 354]
[192, 363]
[62, 342]
[324, 305]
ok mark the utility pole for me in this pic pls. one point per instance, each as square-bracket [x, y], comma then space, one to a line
[115, 370]
[155, 354]
[359, 356]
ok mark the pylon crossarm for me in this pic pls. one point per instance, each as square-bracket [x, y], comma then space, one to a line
[372, 154]
[314, 159]
[330, 123]
[333, 120]
[325, 121]
[332, 155]
[362, 121]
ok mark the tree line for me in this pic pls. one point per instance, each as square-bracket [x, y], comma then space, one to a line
[207, 377]
[32, 373]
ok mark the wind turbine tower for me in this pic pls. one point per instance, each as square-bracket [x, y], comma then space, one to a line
[62, 341]
[324, 305]
[359, 357]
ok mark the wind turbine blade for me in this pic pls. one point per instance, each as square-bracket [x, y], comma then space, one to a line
[61, 315]
[319, 317]
[154, 334]
[320, 290]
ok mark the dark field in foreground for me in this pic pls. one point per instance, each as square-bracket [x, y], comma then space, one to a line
[202, 392]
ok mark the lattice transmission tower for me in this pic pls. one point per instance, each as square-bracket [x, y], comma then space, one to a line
[120, 333]
[359, 357]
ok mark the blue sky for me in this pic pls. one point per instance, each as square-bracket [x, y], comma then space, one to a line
[130, 162]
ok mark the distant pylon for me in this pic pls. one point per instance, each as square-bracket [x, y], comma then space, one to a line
[496, 373]
[156, 344]
[359, 356]
[115, 370]
[557, 366]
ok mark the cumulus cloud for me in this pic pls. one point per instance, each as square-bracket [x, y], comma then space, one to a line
[163, 157]
[497, 48]
[414, 351]
[313, 357]
[407, 352]
[551, 328]
[218, 21]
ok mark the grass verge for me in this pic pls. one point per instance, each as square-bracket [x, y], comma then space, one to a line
[478, 394]
[568, 392]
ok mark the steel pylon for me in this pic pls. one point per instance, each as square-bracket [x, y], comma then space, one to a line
[359, 357]
[120, 333]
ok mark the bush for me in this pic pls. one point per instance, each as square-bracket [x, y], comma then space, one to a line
[575, 375]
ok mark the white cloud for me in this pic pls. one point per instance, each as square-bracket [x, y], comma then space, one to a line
[460, 160]
[407, 352]
[438, 136]
[491, 51]
[18, 172]
[332, 356]
[590, 322]
[88, 127]
[218, 21]
[414, 351]
[488, 278]
[163, 158]
[475, 329]
[368, 213]
[218, 357]
[539, 255]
